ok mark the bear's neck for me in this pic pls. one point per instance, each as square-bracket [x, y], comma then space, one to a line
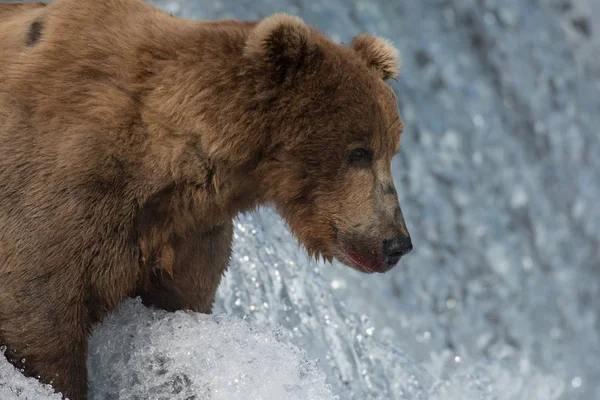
[181, 181]
[205, 137]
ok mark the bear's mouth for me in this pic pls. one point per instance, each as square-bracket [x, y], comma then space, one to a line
[364, 263]
[358, 257]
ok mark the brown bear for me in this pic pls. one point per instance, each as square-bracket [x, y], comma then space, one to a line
[130, 139]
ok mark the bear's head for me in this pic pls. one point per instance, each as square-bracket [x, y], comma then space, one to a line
[333, 128]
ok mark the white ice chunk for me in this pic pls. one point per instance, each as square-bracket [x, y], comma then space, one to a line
[15, 386]
[149, 354]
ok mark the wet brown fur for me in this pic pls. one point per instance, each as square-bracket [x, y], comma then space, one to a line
[130, 139]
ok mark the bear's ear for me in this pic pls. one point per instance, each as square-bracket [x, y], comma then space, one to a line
[280, 41]
[379, 53]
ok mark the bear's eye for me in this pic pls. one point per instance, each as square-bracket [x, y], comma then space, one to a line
[361, 157]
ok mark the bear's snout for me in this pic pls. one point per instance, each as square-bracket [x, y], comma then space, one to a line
[394, 249]
[370, 256]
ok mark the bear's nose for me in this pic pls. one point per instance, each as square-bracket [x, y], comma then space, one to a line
[395, 248]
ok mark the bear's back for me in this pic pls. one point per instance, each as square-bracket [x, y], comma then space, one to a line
[75, 152]
[69, 133]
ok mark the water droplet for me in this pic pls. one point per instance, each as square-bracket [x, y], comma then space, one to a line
[335, 284]
[478, 121]
[450, 303]
[519, 198]
[527, 263]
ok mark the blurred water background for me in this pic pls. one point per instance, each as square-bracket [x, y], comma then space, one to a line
[499, 180]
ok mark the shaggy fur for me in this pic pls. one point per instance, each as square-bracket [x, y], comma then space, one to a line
[130, 139]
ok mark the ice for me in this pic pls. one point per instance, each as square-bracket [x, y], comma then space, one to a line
[160, 355]
[15, 386]
[499, 180]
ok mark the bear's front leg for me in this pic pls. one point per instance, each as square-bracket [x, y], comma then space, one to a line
[199, 261]
[47, 337]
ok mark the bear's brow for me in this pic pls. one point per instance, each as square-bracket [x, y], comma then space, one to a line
[393, 92]
[396, 143]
